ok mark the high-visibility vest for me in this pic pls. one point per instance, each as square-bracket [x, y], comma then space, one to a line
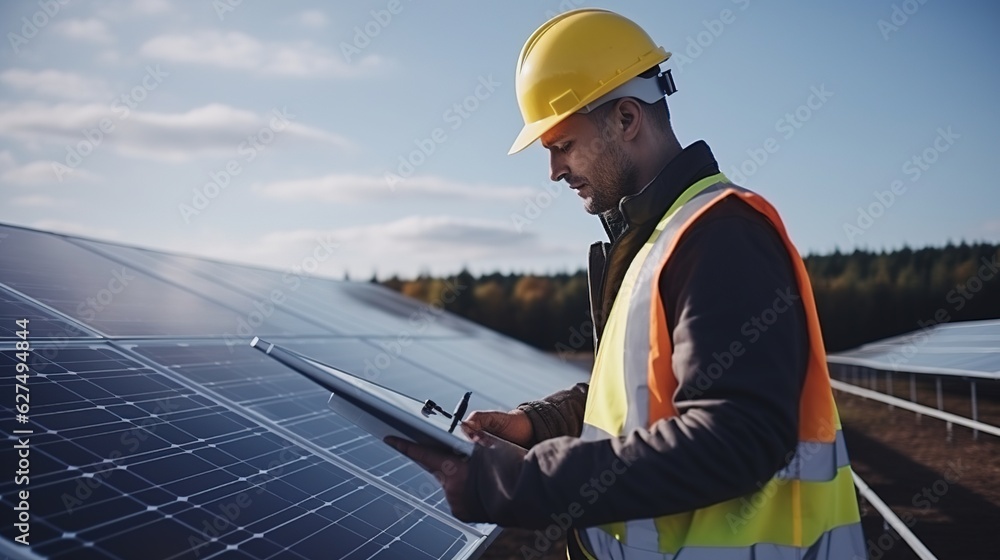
[807, 510]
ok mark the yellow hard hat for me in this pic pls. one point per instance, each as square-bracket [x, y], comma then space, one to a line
[575, 59]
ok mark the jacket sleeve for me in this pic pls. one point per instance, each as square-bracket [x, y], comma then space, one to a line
[730, 282]
[559, 414]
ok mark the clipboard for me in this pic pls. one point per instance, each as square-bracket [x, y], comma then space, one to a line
[381, 411]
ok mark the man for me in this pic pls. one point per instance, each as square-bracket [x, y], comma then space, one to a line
[708, 429]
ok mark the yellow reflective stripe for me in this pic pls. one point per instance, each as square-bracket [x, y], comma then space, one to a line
[763, 517]
[607, 403]
[692, 191]
[607, 399]
[839, 543]
[796, 514]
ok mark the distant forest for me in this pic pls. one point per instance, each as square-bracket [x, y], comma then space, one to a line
[861, 296]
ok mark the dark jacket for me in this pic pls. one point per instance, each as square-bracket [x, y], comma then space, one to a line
[730, 436]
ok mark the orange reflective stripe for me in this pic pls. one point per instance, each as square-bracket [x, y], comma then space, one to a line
[816, 404]
[662, 382]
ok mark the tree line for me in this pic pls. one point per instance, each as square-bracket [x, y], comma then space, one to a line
[861, 296]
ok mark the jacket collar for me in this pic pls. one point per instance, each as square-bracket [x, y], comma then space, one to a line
[692, 164]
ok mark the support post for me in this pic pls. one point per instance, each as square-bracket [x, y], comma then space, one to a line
[940, 404]
[975, 410]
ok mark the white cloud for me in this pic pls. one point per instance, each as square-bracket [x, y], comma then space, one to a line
[405, 246]
[36, 172]
[990, 229]
[345, 187]
[92, 29]
[151, 7]
[36, 200]
[211, 130]
[439, 232]
[109, 56]
[315, 19]
[73, 228]
[7, 160]
[240, 51]
[118, 10]
[55, 83]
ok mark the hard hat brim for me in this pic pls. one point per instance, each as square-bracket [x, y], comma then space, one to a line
[533, 131]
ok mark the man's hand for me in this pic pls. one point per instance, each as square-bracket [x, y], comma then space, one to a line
[449, 469]
[513, 426]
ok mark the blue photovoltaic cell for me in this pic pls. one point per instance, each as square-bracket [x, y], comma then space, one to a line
[254, 382]
[127, 463]
[41, 323]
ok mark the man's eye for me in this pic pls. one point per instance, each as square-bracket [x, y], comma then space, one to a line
[565, 147]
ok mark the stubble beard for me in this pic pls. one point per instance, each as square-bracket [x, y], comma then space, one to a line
[614, 177]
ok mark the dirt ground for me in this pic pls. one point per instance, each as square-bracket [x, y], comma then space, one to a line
[945, 488]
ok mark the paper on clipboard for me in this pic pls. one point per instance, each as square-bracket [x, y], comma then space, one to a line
[378, 410]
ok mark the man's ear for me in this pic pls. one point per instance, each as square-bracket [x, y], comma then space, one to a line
[628, 116]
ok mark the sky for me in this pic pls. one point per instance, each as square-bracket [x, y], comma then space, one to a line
[371, 137]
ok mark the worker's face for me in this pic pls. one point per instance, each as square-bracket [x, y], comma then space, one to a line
[592, 161]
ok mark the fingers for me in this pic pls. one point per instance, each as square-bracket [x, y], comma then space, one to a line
[474, 424]
[492, 421]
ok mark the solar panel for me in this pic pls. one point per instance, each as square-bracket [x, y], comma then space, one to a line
[44, 324]
[154, 437]
[278, 395]
[115, 298]
[352, 308]
[168, 470]
[970, 348]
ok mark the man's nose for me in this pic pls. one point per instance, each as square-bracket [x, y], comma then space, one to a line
[557, 168]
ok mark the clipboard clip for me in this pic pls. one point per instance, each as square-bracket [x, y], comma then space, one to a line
[430, 408]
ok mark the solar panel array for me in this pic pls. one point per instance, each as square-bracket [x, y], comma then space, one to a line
[157, 432]
[969, 349]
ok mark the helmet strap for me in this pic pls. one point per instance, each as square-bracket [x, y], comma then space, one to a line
[649, 90]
